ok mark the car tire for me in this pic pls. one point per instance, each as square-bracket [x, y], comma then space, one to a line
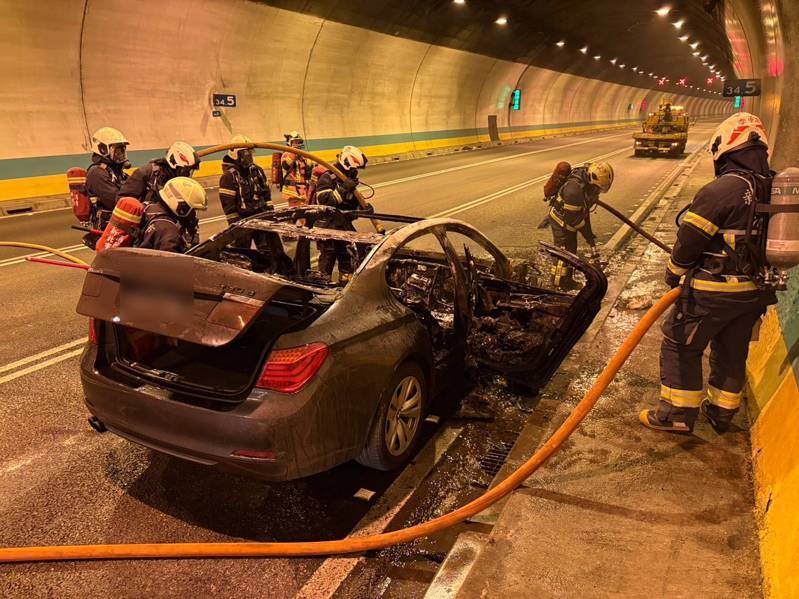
[395, 431]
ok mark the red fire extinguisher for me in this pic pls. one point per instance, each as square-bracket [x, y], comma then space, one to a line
[124, 226]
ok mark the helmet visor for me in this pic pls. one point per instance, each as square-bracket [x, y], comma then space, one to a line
[245, 157]
[187, 171]
[183, 210]
[118, 153]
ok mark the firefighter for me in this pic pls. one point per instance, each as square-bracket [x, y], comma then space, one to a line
[144, 184]
[570, 213]
[243, 187]
[106, 173]
[720, 304]
[296, 174]
[244, 191]
[331, 191]
[168, 223]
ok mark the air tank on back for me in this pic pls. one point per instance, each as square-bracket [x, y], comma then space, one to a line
[782, 243]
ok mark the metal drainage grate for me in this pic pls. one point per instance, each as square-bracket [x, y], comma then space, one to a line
[495, 457]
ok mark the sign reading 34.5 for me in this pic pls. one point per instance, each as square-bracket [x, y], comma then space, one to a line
[226, 100]
[741, 87]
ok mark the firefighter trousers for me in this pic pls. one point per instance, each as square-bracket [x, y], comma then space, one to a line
[723, 320]
[561, 272]
[332, 250]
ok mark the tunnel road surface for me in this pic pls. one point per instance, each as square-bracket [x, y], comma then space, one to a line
[62, 483]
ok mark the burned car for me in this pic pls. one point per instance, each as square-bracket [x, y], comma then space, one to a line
[252, 360]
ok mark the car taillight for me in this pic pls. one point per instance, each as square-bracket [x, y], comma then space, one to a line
[92, 331]
[289, 370]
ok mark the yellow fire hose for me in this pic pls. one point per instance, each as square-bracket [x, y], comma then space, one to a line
[280, 148]
[43, 248]
[359, 544]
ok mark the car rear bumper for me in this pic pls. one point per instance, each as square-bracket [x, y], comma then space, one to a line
[283, 426]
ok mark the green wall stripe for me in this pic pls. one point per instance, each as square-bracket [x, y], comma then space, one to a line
[38, 166]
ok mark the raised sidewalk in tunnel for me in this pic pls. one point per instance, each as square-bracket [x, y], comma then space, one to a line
[622, 510]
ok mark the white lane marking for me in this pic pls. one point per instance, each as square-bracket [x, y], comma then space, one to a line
[503, 192]
[492, 161]
[44, 354]
[334, 570]
[40, 365]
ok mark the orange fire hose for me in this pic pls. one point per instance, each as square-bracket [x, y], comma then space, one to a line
[280, 148]
[43, 248]
[360, 544]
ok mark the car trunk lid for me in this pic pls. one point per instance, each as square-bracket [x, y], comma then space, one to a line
[178, 296]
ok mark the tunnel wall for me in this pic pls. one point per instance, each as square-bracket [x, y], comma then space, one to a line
[763, 33]
[96, 63]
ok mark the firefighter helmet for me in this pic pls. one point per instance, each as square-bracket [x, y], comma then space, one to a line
[737, 130]
[182, 158]
[235, 152]
[295, 140]
[352, 158]
[601, 175]
[182, 195]
[110, 144]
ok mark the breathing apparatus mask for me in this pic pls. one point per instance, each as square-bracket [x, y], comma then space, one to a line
[245, 158]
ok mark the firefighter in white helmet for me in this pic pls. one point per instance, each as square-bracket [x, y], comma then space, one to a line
[721, 303]
[570, 213]
[243, 192]
[168, 223]
[243, 187]
[181, 160]
[106, 174]
[331, 191]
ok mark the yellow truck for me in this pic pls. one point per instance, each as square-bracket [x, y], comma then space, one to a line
[663, 132]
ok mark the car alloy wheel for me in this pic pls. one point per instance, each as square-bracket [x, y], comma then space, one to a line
[403, 415]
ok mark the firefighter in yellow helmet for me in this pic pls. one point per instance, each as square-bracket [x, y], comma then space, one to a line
[296, 176]
[721, 303]
[570, 213]
[168, 223]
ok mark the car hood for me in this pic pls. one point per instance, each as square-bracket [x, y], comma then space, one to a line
[179, 296]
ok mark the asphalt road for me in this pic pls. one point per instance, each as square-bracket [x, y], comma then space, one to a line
[62, 483]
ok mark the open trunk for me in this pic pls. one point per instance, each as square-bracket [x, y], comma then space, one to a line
[204, 329]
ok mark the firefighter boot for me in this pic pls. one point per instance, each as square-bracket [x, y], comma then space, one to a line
[719, 418]
[669, 418]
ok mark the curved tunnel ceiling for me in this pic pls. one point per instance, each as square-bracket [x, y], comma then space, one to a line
[628, 30]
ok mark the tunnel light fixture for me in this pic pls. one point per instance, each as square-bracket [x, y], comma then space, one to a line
[561, 43]
[663, 11]
[695, 53]
[678, 24]
[705, 57]
[459, 1]
[694, 46]
[597, 57]
[683, 38]
[712, 68]
[502, 21]
[621, 66]
[613, 60]
[584, 49]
